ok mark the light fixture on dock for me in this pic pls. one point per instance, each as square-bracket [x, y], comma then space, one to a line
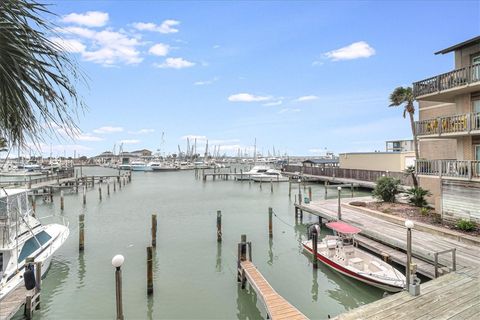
[413, 283]
[117, 262]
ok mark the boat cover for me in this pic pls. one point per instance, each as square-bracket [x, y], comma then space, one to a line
[343, 227]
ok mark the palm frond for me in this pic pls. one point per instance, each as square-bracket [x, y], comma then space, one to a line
[37, 77]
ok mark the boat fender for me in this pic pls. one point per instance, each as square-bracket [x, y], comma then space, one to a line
[311, 229]
[29, 277]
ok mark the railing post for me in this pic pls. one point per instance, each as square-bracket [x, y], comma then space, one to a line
[470, 168]
[440, 169]
[469, 122]
[439, 124]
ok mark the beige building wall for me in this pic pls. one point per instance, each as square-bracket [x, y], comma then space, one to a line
[463, 56]
[381, 161]
[434, 185]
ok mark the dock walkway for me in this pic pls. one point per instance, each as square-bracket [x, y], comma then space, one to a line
[455, 296]
[277, 307]
[391, 236]
[12, 303]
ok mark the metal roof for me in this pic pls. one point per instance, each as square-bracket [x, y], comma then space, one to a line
[475, 40]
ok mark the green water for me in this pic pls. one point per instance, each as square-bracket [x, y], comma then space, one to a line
[194, 277]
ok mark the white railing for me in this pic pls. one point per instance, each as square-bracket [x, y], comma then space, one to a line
[449, 80]
[465, 169]
[461, 123]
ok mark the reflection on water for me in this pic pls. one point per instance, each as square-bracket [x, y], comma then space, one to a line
[81, 270]
[218, 266]
[150, 307]
[314, 284]
[247, 303]
[270, 252]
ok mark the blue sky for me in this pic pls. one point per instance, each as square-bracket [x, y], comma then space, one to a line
[300, 76]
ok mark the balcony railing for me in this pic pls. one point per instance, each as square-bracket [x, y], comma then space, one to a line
[463, 123]
[449, 80]
[465, 169]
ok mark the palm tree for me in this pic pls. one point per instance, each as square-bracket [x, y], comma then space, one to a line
[404, 96]
[37, 77]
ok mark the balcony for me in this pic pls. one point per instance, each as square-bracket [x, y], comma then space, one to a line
[446, 86]
[449, 126]
[452, 169]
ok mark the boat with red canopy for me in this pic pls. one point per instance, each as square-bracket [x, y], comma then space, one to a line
[340, 253]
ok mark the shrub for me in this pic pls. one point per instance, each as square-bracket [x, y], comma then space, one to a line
[417, 196]
[386, 189]
[466, 225]
[424, 211]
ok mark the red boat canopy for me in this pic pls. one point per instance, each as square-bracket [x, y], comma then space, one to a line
[343, 227]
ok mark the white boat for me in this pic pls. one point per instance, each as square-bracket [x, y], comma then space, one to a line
[270, 175]
[124, 166]
[139, 165]
[163, 166]
[339, 253]
[255, 171]
[23, 236]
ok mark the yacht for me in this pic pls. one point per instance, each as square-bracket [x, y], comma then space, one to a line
[164, 166]
[255, 171]
[139, 165]
[270, 175]
[22, 236]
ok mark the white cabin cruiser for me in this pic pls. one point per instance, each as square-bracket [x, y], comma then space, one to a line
[255, 171]
[23, 236]
[270, 175]
[339, 253]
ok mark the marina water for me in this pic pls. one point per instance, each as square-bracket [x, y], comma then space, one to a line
[194, 276]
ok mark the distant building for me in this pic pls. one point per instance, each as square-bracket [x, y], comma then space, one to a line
[141, 153]
[449, 134]
[320, 163]
[399, 146]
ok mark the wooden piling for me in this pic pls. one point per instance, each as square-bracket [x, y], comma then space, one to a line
[271, 185]
[62, 203]
[310, 193]
[289, 188]
[38, 278]
[154, 230]
[108, 188]
[81, 237]
[352, 188]
[34, 204]
[270, 222]
[325, 183]
[219, 226]
[241, 174]
[260, 184]
[51, 194]
[242, 256]
[100, 192]
[149, 271]
[84, 194]
[315, 248]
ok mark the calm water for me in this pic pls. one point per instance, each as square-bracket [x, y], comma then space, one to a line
[194, 277]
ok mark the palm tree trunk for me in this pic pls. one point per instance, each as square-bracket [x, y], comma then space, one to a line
[414, 133]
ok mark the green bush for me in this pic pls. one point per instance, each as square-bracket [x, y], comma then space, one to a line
[386, 189]
[425, 211]
[417, 196]
[466, 225]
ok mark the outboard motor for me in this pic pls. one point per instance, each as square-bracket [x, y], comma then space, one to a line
[29, 277]
[311, 229]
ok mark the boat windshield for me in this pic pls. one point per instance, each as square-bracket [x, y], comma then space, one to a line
[31, 245]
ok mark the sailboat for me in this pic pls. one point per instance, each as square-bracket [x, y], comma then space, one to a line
[23, 236]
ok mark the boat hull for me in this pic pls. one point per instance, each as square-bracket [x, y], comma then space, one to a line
[351, 274]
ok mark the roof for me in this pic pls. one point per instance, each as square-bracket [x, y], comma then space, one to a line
[343, 227]
[11, 192]
[320, 161]
[470, 42]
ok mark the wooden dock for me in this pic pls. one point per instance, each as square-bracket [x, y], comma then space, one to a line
[12, 303]
[455, 296]
[384, 237]
[277, 307]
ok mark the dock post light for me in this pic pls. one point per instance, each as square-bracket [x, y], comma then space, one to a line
[117, 262]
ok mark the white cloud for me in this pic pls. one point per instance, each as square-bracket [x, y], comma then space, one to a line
[167, 26]
[89, 19]
[247, 97]
[106, 47]
[88, 137]
[175, 63]
[289, 110]
[69, 45]
[306, 98]
[108, 129]
[159, 49]
[142, 131]
[130, 141]
[355, 50]
[206, 82]
[274, 103]
[216, 46]
[192, 137]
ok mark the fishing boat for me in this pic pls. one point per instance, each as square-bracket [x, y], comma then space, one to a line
[270, 175]
[163, 167]
[340, 253]
[255, 171]
[23, 236]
